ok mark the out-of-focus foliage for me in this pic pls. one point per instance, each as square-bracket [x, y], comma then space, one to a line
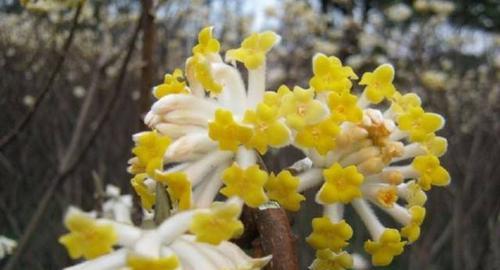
[446, 51]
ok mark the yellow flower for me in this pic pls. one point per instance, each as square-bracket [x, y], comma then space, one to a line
[179, 187]
[412, 230]
[227, 132]
[138, 262]
[379, 83]
[221, 223]
[150, 148]
[172, 84]
[330, 75]
[328, 260]
[148, 198]
[321, 136]
[343, 107]
[267, 129]
[87, 238]
[402, 103]
[435, 145]
[341, 184]
[420, 125]
[387, 196]
[301, 109]
[415, 195]
[253, 49]
[385, 248]
[245, 183]
[430, 172]
[273, 99]
[283, 189]
[199, 67]
[327, 234]
[206, 42]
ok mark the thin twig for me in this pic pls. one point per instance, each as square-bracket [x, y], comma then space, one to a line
[63, 172]
[18, 127]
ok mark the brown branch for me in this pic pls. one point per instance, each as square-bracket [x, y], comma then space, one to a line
[276, 238]
[64, 171]
[19, 126]
[148, 45]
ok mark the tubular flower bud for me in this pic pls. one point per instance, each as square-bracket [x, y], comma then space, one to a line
[379, 83]
[330, 75]
[253, 49]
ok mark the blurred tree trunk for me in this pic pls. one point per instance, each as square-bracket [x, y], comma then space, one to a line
[148, 47]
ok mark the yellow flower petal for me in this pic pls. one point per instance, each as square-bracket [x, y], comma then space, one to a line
[199, 68]
[321, 136]
[379, 83]
[227, 132]
[149, 149]
[420, 125]
[267, 129]
[283, 189]
[87, 238]
[430, 172]
[220, 224]
[178, 186]
[206, 42]
[301, 109]
[328, 260]
[329, 235]
[248, 184]
[341, 184]
[412, 230]
[330, 75]
[385, 248]
[252, 52]
[148, 198]
[173, 84]
[343, 107]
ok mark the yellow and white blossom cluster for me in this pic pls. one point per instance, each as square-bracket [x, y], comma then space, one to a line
[377, 149]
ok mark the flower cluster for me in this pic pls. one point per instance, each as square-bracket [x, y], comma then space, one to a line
[208, 129]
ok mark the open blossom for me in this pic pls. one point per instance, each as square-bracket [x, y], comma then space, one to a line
[209, 128]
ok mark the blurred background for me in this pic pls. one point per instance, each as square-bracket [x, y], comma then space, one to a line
[75, 80]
